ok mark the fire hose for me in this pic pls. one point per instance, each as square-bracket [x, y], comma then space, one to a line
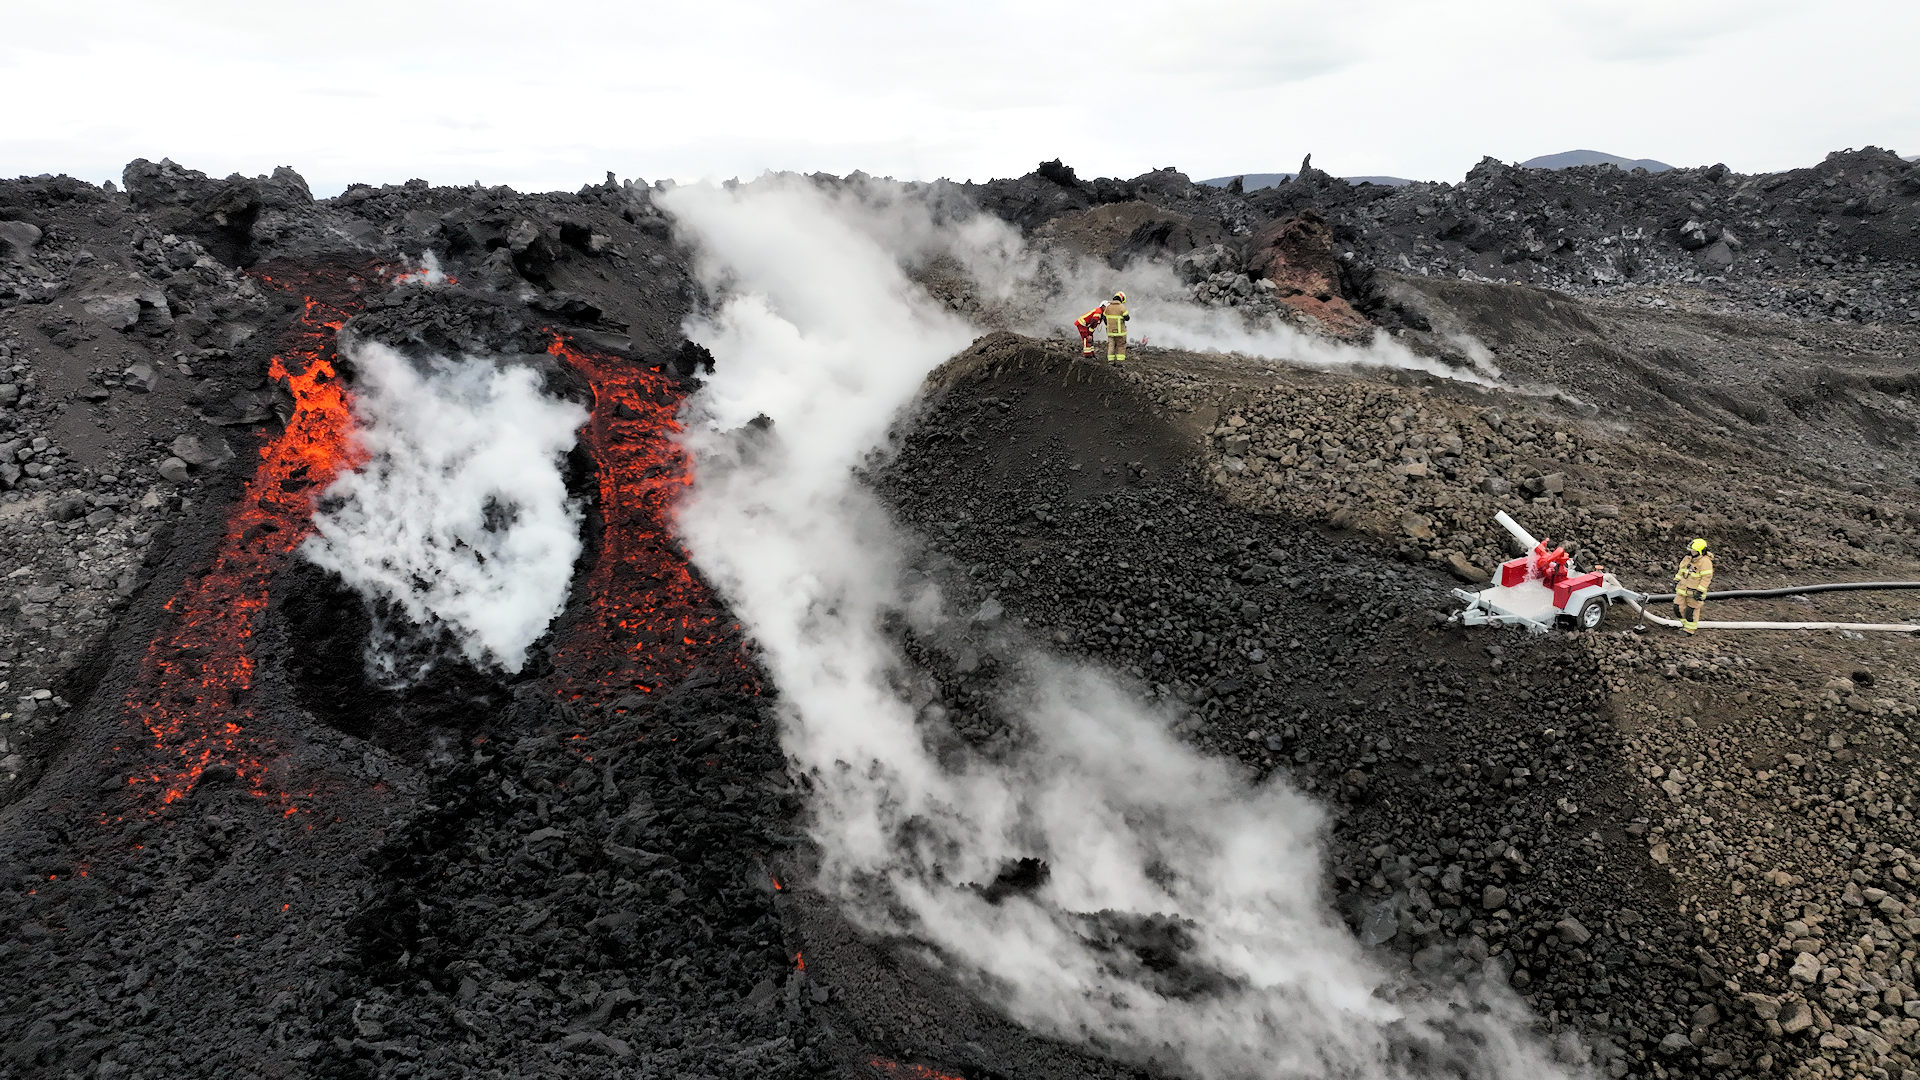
[1529, 543]
[1795, 590]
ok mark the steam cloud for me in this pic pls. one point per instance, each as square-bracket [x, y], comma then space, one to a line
[428, 273]
[460, 519]
[1040, 291]
[821, 329]
[1167, 317]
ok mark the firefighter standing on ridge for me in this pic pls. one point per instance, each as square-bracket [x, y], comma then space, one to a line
[1690, 584]
[1116, 314]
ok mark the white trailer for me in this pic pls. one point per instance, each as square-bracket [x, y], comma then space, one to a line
[1541, 590]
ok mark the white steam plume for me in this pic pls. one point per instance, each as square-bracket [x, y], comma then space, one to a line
[428, 273]
[1168, 317]
[1039, 292]
[459, 518]
[821, 330]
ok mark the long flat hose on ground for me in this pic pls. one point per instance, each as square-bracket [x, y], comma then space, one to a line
[1797, 590]
[1896, 628]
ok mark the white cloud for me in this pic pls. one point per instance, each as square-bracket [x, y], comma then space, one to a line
[552, 97]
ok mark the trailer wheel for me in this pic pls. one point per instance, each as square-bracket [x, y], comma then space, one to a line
[1592, 614]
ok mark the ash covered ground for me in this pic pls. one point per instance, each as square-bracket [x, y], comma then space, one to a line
[230, 847]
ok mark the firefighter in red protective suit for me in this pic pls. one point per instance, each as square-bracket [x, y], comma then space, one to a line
[1085, 325]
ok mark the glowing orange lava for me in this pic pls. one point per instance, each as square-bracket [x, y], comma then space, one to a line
[908, 1072]
[192, 695]
[648, 621]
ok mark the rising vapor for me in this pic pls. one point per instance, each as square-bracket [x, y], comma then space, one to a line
[460, 520]
[820, 329]
[1039, 291]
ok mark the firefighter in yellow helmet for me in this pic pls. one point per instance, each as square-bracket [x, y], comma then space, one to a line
[1117, 316]
[1691, 582]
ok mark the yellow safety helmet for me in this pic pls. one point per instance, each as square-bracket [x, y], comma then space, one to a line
[1120, 296]
[1697, 546]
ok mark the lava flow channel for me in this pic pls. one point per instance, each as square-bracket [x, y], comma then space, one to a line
[193, 692]
[649, 621]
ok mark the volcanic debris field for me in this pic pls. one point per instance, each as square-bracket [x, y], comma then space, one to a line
[228, 847]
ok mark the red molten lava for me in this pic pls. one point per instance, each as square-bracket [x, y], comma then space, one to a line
[906, 1072]
[192, 695]
[648, 620]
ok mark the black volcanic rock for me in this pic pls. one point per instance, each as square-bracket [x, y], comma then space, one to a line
[220, 213]
[487, 878]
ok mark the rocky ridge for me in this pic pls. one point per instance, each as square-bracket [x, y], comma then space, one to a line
[1836, 241]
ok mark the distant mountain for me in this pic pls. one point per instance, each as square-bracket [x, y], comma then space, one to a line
[1256, 181]
[1573, 158]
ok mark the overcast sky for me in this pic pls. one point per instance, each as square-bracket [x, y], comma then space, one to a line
[553, 94]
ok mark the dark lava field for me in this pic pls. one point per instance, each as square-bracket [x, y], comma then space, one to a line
[230, 847]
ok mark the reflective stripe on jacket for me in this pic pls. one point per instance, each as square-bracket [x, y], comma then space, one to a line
[1116, 318]
[1696, 572]
[1092, 318]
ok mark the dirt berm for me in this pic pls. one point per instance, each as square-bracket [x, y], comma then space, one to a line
[1696, 853]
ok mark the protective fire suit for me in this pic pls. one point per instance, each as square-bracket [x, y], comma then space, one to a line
[1116, 316]
[1085, 325]
[1691, 582]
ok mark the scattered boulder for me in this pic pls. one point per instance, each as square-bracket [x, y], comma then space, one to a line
[118, 310]
[67, 507]
[141, 378]
[19, 239]
[200, 453]
[1203, 262]
[144, 309]
[1795, 1017]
